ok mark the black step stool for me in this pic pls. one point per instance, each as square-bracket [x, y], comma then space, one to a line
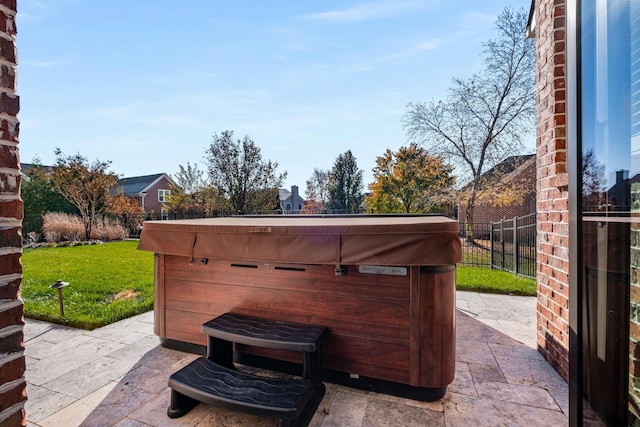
[214, 380]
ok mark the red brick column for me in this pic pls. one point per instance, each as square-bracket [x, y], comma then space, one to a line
[552, 185]
[12, 363]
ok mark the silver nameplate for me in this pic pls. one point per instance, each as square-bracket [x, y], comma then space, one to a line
[379, 269]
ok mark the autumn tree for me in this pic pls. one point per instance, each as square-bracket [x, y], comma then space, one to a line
[485, 118]
[190, 195]
[245, 181]
[345, 185]
[84, 185]
[409, 181]
[317, 192]
[127, 210]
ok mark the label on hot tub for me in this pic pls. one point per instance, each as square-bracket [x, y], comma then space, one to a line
[380, 269]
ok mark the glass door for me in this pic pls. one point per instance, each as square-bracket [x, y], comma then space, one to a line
[609, 134]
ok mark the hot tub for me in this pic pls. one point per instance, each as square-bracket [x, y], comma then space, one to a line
[384, 287]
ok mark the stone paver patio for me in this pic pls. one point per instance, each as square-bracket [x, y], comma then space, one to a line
[117, 375]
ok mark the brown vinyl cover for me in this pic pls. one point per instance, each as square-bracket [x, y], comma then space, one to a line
[375, 240]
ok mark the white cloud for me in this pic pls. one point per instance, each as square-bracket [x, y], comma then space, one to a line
[45, 64]
[367, 11]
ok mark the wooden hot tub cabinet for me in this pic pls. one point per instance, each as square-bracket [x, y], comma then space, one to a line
[384, 287]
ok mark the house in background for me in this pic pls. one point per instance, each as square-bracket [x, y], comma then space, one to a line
[521, 168]
[151, 191]
[290, 201]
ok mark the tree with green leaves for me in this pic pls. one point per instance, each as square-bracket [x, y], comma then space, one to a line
[317, 193]
[85, 185]
[410, 181]
[38, 195]
[245, 181]
[485, 118]
[345, 185]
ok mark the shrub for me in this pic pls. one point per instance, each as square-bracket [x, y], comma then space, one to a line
[58, 227]
[108, 230]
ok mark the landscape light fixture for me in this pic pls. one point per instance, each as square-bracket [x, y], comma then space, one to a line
[59, 285]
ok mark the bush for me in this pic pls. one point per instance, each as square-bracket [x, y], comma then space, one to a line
[58, 227]
[107, 230]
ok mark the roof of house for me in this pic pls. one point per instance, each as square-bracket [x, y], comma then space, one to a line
[140, 184]
[511, 165]
[25, 168]
[508, 169]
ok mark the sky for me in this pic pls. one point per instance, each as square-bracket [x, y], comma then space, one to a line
[145, 84]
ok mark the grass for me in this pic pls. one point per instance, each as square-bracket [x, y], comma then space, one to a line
[493, 281]
[108, 282]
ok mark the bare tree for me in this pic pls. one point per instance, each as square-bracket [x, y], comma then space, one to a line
[84, 185]
[485, 118]
[237, 171]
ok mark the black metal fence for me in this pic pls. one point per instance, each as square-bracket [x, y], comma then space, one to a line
[496, 245]
[513, 245]
[476, 245]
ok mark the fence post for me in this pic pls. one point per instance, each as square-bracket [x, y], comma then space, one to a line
[516, 257]
[502, 244]
[491, 242]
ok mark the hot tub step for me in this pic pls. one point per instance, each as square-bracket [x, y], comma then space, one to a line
[293, 401]
[265, 333]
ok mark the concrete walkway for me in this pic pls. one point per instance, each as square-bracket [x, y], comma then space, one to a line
[117, 375]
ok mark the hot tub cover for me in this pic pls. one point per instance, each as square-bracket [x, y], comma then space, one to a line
[401, 240]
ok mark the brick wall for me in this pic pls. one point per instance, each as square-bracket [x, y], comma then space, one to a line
[552, 183]
[12, 362]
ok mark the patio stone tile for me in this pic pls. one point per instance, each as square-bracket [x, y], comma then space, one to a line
[88, 378]
[116, 405]
[323, 408]
[382, 412]
[432, 406]
[53, 367]
[154, 412]
[465, 411]
[122, 329]
[495, 313]
[128, 422]
[521, 394]
[515, 351]
[34, 329]
[469, 328]
[524, 334]
[561, 396]
[530, 372]
[133, 352]
[146, 379]
[42, 402]
[74, 414]
[132, 338]
[55, 334]
[160, 358]
[471, 351]
[486, 373]
[346, 410]
[42, 349]
[463, 381]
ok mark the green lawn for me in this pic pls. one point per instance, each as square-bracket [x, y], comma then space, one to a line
[493, 281]
[108, 282]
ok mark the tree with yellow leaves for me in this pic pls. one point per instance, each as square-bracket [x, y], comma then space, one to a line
[410, 181]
